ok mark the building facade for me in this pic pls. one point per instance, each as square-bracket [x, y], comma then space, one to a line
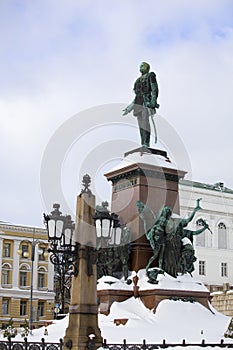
[26, 276]
[214, 250]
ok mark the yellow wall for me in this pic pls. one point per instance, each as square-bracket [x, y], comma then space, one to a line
[25, 235]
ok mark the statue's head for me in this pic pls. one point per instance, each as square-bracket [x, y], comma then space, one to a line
[167, 212]
[144, 67]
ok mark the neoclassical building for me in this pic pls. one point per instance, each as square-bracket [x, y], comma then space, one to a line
[214, 250]
[26, 276]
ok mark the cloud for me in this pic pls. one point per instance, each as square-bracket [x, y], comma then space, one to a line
[59, 58]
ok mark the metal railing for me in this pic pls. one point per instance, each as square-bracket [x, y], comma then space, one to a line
[10, 344]
[42, 345]
[164, 345]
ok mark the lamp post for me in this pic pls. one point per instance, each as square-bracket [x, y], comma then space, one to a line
[32, 275]
[63, 249]
[26, 255]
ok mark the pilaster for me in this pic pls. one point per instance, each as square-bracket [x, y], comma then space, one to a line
[15, 276]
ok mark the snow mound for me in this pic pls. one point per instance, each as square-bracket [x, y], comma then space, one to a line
[173, 321]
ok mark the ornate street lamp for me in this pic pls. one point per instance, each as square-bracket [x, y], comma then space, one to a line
[113, 242]
[63, 249]
[108, 228]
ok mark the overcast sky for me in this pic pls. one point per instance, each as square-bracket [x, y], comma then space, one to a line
[60, 58]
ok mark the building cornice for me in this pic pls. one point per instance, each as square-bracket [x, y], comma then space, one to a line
[18, 293]
[18, 228]
[218, 187]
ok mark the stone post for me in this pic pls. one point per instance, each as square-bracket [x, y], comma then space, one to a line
[83, 312]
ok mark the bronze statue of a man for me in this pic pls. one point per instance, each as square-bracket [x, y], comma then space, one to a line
[145, 103]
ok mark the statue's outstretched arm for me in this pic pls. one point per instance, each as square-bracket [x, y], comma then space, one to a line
[197, 232]
[186, 221]
[205, 227]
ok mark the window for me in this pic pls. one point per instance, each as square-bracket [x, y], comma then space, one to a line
[6, 250]
[41, 254]
[200, 239]
[41, 277]
[224, 269]
[222, 236]
[23, 276]
[5, 306]
[202, 269]
[40, 308]
[23, 307]
[24, 250]
[6, 274]
[41, 280]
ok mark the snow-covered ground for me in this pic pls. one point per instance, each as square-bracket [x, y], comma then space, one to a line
[173, 320]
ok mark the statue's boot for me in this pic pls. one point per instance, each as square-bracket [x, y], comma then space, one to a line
[145, 138]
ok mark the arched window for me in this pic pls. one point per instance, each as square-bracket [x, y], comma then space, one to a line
[23, 275]
[6, 268]
[222, 236]
[41, 277]
[200, 239]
